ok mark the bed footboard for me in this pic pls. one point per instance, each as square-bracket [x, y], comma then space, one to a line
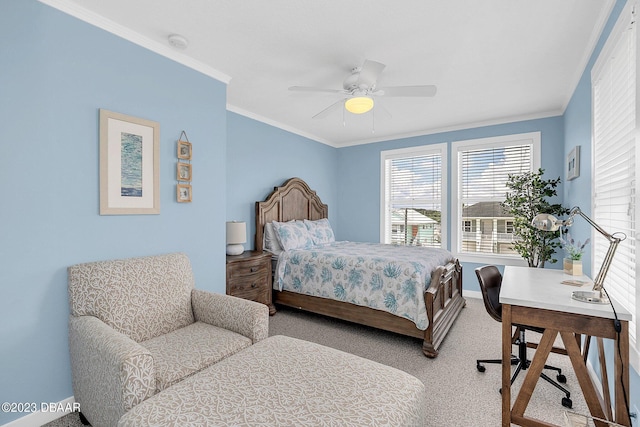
[444, 301]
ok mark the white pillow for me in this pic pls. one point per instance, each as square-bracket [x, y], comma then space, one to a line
[271, 242]
[321, 231]
[293, 235]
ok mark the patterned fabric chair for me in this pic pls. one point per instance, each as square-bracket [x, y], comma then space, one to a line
[137, 326]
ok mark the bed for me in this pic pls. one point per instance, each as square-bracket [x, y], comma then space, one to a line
[443, 299]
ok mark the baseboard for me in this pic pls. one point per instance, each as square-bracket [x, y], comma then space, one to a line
[47, 412]
[471, 294]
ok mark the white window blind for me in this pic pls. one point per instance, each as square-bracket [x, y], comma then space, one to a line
[615, 161]
[482, 176]
[413, 196]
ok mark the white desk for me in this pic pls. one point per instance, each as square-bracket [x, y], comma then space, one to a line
[536, 297]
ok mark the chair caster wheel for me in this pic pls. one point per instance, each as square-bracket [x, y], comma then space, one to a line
[561, 378]
[567, 403]
[481, 368]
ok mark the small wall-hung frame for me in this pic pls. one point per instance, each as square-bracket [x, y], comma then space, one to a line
[129, 165]
[183, 172]
[183, 193]
[184, 150]
[573, 163]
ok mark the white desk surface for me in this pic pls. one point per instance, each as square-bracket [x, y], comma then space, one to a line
[542, 288]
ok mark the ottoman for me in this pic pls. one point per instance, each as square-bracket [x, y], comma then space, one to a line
[283, 381]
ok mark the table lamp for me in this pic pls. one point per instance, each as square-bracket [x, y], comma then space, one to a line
[548, 222]
[236, 236]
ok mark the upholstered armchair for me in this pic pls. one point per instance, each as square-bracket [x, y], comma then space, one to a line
[137, 326]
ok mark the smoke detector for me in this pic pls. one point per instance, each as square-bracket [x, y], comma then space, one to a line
[178, 41]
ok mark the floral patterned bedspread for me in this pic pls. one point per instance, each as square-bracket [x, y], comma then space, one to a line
[384, 277]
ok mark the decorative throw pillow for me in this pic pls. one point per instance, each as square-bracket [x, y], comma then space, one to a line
[321, 231]
[293, 235]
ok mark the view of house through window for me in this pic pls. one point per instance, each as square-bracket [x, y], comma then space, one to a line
[413, 192]
[480, 173]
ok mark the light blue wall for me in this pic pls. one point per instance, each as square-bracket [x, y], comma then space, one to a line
[577, 192]
[577, 118]
[260, 157]
[56, 72]
[359, 176]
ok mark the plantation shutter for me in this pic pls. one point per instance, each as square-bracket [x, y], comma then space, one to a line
[414, 199]
[615, 161]
[483, 174]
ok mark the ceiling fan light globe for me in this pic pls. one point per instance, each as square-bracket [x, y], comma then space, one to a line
[359, 104]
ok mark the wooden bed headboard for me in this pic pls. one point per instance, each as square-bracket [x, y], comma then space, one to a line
[293, 200]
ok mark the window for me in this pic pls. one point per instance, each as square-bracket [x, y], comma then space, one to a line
[509, 226]
[480, 171]
[414, 196]
[616, 163]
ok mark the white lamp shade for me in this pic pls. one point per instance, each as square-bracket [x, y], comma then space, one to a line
[236, 236]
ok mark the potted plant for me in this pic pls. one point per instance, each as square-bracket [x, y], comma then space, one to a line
[572, 263]
[528, 196]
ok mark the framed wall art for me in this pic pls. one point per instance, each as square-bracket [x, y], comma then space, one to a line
[184, 172]
[573, 163]
[184, 169]
[184, 150]
[129, 165]
[183, 193]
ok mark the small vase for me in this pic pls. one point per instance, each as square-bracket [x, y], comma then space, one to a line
[572, 266]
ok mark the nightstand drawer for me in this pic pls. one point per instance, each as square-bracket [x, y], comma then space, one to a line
[253, 268]
[250, 289]
[249, 277]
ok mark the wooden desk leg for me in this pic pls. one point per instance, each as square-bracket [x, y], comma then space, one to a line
[622, 417]
[582, 375]
[506, 365]
[531, 379]
[606, 396]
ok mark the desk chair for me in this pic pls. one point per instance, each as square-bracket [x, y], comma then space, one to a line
[490, 281]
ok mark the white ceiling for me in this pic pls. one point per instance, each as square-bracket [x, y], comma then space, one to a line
[493, 61]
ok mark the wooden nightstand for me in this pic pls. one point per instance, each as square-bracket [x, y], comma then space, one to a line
[249, 277]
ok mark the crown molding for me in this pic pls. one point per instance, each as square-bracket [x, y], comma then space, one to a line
[92, 18]
[271, 122]
[453, 128]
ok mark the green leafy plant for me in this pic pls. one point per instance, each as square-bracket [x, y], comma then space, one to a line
[528, 196]
[573, 249]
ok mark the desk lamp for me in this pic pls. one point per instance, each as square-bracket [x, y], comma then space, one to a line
[548, 222]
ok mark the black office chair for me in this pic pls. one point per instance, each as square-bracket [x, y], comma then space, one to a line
[490, 281]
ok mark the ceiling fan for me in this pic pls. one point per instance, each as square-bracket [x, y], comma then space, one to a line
[359, 89]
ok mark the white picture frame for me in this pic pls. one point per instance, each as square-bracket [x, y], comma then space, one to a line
[129, 165]
[573, 163]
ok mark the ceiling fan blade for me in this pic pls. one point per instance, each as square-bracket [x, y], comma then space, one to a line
[370, 72]
[380, 111]
[426, 90]
[335, 106]
[316, 89]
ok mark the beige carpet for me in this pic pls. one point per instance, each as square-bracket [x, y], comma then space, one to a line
[458, 395]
